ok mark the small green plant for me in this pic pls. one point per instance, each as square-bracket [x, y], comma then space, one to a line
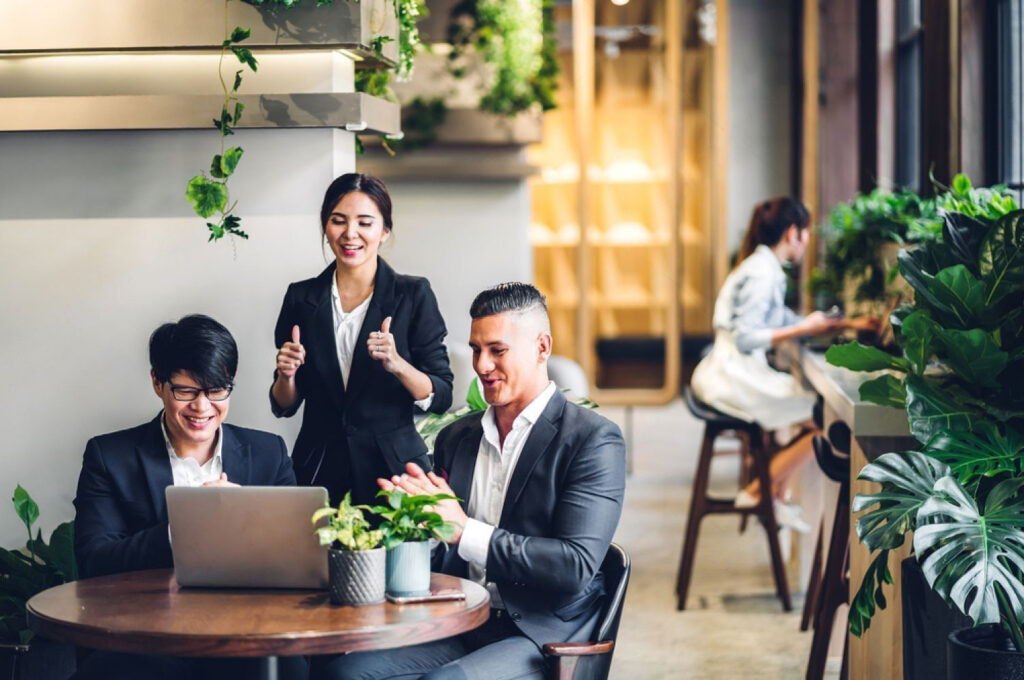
[410, 518]
[346, 526]
[33, 569]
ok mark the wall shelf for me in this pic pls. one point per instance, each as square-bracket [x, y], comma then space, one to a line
[351, 110]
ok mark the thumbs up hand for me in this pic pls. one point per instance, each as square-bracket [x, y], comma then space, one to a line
[381, 345]
[291, 356]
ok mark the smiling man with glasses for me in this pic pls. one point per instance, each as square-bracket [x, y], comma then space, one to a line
[121, 521]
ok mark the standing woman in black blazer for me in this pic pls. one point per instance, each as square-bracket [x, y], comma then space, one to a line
[362, 346]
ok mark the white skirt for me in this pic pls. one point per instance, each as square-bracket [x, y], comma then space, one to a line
[746, 386]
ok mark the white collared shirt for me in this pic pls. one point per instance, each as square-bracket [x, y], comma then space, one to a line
[346, 332]
[187, 471]
[495, 463]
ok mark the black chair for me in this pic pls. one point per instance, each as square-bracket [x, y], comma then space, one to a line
[593, 660]
[758, 456]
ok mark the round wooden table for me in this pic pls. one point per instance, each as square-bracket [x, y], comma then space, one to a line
[146, 612]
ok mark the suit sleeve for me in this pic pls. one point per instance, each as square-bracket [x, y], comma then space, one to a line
[427, 350]
[286, 318]
[589, 505]
[285, 471]
[103, 544]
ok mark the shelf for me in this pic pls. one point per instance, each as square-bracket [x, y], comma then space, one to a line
[74, 26]
[350, 110]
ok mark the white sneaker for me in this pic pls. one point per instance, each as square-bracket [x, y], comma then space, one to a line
[745, 500]
[791, 515]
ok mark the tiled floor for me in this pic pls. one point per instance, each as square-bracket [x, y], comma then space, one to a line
[734, 627]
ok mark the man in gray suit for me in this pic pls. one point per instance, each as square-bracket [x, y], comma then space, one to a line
[542, 482]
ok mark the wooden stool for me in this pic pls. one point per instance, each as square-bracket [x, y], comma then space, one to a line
[717, 423]
[825, 595]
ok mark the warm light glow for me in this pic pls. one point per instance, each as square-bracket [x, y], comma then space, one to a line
[620, 3]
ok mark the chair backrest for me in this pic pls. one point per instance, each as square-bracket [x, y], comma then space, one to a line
[568, 375]
[616, 578]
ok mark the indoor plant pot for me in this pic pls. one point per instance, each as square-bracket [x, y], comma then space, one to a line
[408, 569]
[927, 622]
[356, 576]
[983, 652]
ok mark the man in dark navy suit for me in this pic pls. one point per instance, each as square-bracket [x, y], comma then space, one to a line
[121, 520]
[542, 482]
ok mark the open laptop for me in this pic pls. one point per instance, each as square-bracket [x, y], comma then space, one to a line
[246, 536]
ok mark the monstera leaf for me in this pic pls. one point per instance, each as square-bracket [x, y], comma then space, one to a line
[907, 481]
[931, 409]
[986, 452]
[966, 554]
[1001, 260]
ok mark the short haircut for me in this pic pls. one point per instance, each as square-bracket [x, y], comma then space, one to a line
[514, 297]
[197, 345]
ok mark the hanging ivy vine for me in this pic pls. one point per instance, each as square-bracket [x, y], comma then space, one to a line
[208, 192]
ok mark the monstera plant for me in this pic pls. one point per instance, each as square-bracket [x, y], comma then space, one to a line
[961, 380]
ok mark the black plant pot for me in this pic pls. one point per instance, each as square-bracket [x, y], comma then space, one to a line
[983, 652]
[927, 623]
[41, 660]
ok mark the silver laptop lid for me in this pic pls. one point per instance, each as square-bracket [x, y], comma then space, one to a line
[246, 536]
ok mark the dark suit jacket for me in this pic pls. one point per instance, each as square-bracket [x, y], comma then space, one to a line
[121, 518]
[561, 509]
[373, 414]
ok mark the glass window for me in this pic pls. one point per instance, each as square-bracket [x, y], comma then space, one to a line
[908, 94]
[1008, 161]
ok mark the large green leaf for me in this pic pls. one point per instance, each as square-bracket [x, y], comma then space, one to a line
[931, 409]
[858, 357]
[869, 595]
[25, 508]
[62, 550]
[475, 396]
[959, 291]
[207, 197]
[885, 390]
[907, 480]
[974, 355]
[985, 452]
[965, 554]
[918, 333]
[1001, 260]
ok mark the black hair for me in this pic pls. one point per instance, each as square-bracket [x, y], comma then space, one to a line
[356, 181]
[507, 297]
[770, 221]
[197, 345]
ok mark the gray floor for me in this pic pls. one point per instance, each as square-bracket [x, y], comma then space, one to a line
[734, 627]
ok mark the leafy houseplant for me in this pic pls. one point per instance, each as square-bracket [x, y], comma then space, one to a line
[356, 566]
[961, 380]
[409, 524]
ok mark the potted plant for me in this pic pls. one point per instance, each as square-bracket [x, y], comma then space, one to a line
[961, 380]
[355, 558]
[23, 573]
[409, 524]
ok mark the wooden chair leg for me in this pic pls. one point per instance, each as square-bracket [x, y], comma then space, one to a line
[813, 583]
[698, 501]
[834, 589]
[766, 512]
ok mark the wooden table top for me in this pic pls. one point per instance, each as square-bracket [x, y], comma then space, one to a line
[148, 612]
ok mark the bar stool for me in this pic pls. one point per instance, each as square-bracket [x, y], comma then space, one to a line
[824, 595]
[716, 424]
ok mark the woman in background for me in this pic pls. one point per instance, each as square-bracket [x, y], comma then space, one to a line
[751, 317]
[362, 346]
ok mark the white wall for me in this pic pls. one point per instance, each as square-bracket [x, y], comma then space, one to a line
[760, 107]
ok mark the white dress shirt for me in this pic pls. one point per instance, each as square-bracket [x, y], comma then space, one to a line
[346, 333]
[495, 463]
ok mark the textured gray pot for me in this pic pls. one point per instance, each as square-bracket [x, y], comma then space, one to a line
[983, 652]
[409, 569]
[356, 577]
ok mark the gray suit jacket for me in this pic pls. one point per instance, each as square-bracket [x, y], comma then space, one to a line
[561, 509]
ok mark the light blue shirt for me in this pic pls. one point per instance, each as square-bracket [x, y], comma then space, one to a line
[751, 304]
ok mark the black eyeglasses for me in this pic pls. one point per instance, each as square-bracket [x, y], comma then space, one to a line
[182, 393]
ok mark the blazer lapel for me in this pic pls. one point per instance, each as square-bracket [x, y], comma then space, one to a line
[543, 432]
[156, 466]
[382, 305]
[323, 350]
[236, 458]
